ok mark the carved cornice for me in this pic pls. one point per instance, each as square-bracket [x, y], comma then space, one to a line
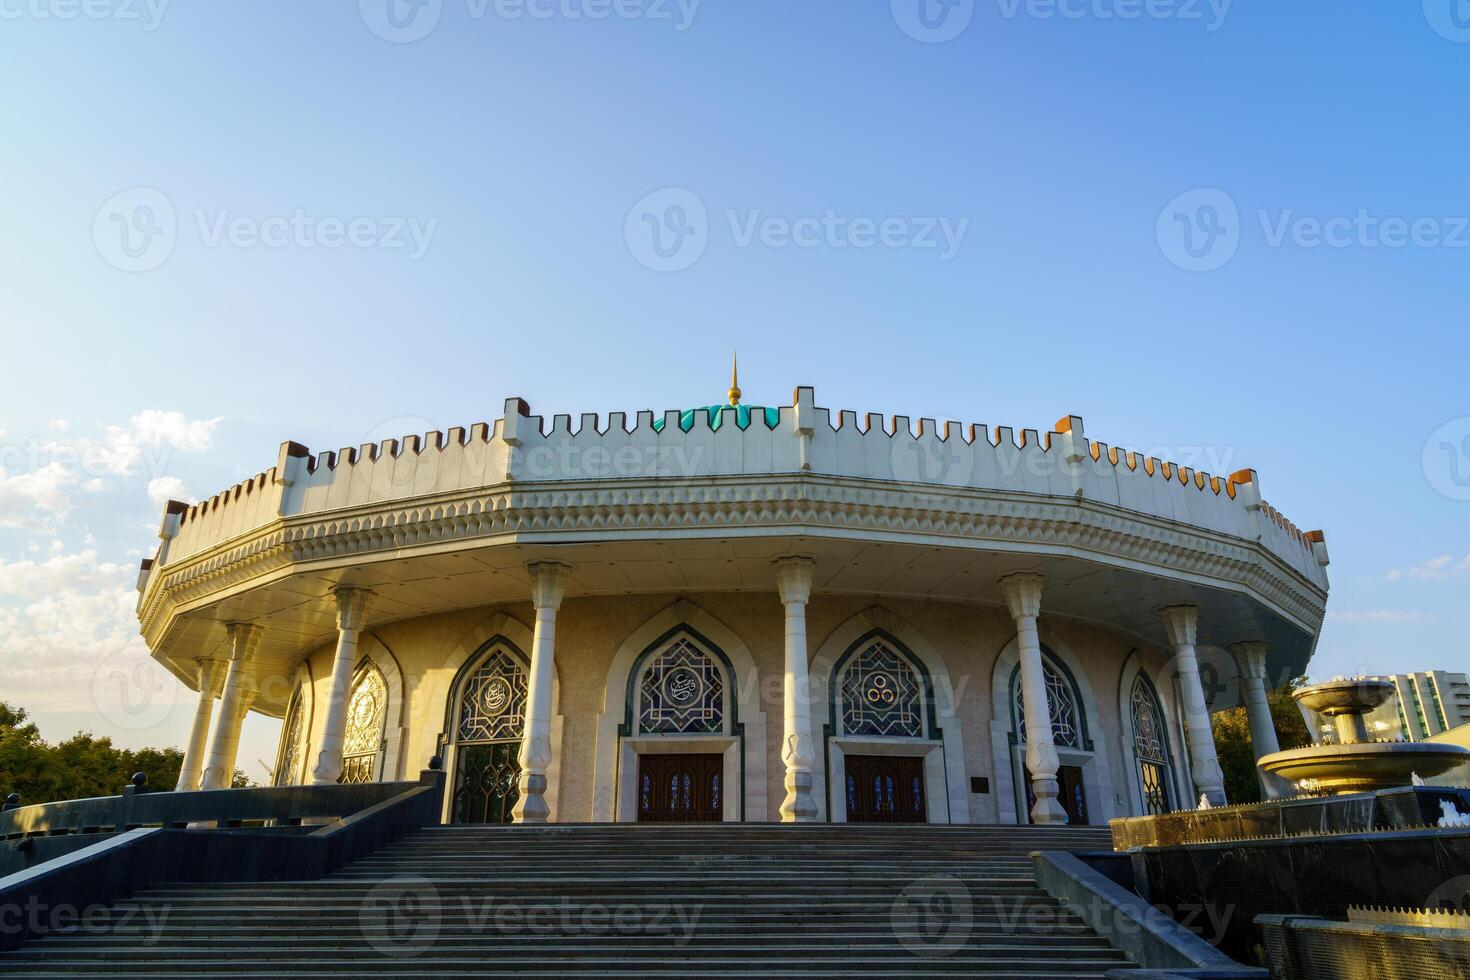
[782, 504]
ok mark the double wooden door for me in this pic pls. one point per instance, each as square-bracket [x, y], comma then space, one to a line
[885, 789]
[681, 788]
[1072, 794]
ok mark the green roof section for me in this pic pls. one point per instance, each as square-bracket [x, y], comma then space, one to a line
[716, 413]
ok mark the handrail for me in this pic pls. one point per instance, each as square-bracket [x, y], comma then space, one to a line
[112, 869]
[284, 805]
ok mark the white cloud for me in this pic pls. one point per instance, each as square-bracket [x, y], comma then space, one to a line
[1375, 616]
[60, 425]
[37, 500]
[1434, 570]
[162, 489]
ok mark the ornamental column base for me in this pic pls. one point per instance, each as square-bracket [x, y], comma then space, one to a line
[1046, 809]
[799, 806]
[531, 805]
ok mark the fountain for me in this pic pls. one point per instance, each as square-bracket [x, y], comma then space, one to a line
[1356, 764]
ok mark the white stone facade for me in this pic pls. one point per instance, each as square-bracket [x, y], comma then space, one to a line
[786, 563]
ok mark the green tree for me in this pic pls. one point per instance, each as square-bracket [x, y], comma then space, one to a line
[82, 766]
[1233, 741]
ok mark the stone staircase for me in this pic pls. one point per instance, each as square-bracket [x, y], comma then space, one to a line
[628, 900]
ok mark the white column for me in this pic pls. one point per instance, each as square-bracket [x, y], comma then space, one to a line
[352, 607]
[794, 576]
[1251, 659]
[1180, 624]
[548, 583]
[1023, 596]
[193, 765]
[219, 765]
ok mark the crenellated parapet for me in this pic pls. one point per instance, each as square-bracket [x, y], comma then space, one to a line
[521, 450]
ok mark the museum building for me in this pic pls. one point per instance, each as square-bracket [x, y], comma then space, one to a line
[738, 613]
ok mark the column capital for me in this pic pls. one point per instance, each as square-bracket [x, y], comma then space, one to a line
[1250, 657]
[1023, 594]
[352, 606]
[206, 674]
[1181, 623]
[548, 583]
[794, 578]
[241, 640]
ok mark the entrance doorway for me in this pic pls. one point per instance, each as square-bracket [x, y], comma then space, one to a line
[885, 789]
[1071, 794]
[680, 788]
[486, 782]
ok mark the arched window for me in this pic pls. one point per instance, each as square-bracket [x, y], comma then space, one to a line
[881, 693]
[681, 691]
[1068, 729]
[1150, 746]
[367, 710]
[489, 721]
[492, 704]
[292, 730]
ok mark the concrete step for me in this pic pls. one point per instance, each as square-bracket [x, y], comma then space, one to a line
[710, 900]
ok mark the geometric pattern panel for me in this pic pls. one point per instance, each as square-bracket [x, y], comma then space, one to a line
[1066, 729]
[290, 742]
[682, 692]
[881, 695]
[1148, 729]
[366, 711]
[493, 705]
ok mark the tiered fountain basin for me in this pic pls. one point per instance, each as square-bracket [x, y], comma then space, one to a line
[1354, 764]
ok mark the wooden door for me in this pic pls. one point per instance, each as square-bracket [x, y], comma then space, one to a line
[1073, 794]
[681, 788]
[885, 789]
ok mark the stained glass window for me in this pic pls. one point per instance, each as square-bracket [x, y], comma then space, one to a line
[492, 706]
[1149, 747]
[291, 732]
[882, 694]
[1066, 729]
[682, 691]
[366, 711]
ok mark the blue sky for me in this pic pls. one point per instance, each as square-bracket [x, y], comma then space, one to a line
[349, 232]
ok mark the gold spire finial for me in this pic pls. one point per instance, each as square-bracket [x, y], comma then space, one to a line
[734, 378]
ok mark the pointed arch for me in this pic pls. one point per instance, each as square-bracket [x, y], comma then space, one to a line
[435, 707]
[1177, 792]
[372, 650]
[939, 741]
[293, 753]
[743, 738]
[1008, 750]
